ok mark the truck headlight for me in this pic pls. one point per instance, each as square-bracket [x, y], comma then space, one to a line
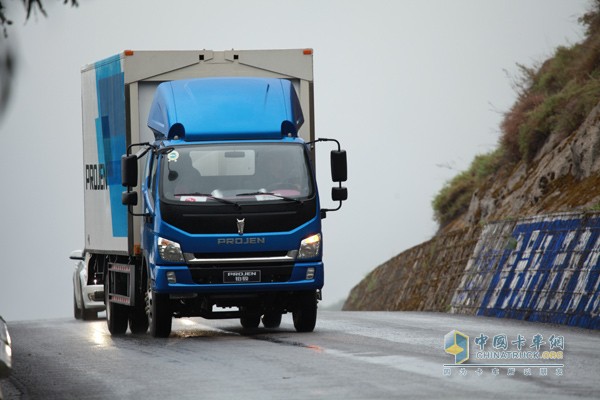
[310, 247]
[169, 250]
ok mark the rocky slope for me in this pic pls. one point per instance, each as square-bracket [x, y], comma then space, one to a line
[564, 176]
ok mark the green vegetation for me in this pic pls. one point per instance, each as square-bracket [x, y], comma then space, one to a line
[553, 99]
[453, 200]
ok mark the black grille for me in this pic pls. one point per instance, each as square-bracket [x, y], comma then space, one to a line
[222, 218]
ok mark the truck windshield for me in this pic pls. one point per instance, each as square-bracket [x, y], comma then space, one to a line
[236, 173]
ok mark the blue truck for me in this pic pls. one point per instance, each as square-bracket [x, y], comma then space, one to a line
[200, 187]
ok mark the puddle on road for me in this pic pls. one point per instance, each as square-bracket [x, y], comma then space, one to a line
[196, 329]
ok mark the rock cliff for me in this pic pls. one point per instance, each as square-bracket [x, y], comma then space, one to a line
[564, 176]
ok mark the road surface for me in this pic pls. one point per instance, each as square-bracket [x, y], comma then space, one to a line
[351, 355]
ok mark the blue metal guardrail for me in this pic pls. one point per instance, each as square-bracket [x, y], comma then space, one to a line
[5, 351]
[543, 268]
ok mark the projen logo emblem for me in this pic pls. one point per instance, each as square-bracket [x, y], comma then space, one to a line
[457, 344]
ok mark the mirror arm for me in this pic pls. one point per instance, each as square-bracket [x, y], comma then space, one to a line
[324, 211]
[326, 140]
[130, 210]
[147, 146]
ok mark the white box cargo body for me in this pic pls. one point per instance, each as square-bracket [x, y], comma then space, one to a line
[116, 97]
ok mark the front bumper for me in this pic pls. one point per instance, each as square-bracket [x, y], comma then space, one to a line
[192, 279]
[93, 297]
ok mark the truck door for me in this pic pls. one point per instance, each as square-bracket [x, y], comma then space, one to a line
[150, 195]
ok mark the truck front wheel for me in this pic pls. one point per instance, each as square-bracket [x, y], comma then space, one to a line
[250, 318]
[305, 312]
[271, 319]
[159, 312]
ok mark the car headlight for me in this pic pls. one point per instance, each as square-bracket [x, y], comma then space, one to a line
[169, 250]
[310, 247]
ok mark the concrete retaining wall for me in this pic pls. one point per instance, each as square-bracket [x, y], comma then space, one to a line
[423, 278]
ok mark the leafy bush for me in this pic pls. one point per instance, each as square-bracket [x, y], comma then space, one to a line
[511, 141]
[454, 198]
[556, 98]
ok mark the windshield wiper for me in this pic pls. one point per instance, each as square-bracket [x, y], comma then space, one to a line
[210, 196]
[271, 194]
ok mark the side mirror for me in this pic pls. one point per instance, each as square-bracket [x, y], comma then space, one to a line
[129, 198]
[77, 255]
[129, 171]
[339, 193]
[339, 168]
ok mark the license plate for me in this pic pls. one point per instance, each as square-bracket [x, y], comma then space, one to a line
[241, 276]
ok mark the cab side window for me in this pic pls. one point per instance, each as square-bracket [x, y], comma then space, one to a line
[151, 178]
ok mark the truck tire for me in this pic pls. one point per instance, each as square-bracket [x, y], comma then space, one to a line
[116, 314]
[159, 313]
[138, 319]
[250, 318]
[271, 319]
[305, 312]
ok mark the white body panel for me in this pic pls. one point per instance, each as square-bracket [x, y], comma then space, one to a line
[99, 214]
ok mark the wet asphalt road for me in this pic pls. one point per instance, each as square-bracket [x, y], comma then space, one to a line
[366, 355]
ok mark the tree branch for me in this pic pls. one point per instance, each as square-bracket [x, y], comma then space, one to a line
[30, 6]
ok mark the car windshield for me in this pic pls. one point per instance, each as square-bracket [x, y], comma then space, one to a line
[236, 173]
